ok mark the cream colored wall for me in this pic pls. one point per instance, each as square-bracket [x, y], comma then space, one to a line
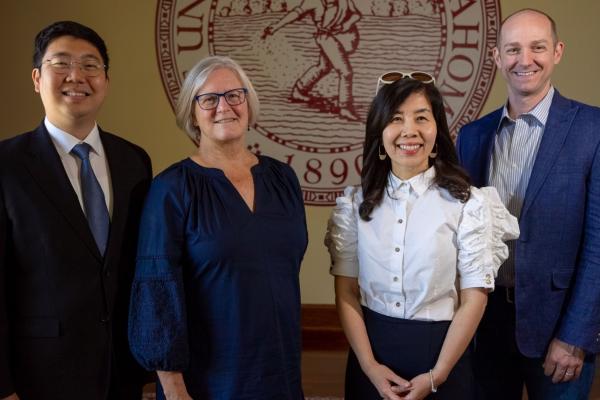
[137, 107]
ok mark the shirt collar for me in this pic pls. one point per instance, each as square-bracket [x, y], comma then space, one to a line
[539, 112]
[419, 183]
[65, 142]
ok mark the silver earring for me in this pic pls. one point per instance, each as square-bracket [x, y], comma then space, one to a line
[382, 154]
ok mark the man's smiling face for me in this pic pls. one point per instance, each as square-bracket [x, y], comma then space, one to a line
[71, 97]
[526, 54]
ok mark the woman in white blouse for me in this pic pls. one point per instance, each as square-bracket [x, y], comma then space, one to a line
[414, 251]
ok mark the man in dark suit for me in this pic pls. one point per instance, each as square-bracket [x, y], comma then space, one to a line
[70, 199]
[542, 152]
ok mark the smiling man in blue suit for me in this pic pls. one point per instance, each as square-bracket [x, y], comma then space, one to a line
[542, 152]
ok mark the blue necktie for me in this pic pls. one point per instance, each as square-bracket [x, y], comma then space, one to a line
[93, 198]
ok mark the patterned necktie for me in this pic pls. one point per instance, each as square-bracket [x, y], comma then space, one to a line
[93, 198]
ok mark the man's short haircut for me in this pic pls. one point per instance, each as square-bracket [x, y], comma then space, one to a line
[66, 28]
[552, 22]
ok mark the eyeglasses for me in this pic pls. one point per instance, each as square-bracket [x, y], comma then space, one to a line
[390, 77]
[210, 101]
[90, 67]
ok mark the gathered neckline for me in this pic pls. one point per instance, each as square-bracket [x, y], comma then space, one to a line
[217, 172]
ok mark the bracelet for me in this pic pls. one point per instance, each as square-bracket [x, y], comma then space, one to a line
[433, 387]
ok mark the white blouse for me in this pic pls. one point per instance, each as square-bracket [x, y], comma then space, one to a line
[419, 245]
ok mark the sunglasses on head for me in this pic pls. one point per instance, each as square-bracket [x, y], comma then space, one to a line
[393, 76]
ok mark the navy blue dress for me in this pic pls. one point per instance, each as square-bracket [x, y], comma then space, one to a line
[216, 292]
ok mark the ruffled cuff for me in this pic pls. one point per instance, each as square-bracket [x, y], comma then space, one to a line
[485, 225]
[341, 237]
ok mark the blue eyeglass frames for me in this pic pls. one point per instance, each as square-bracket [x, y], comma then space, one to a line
[233, 97]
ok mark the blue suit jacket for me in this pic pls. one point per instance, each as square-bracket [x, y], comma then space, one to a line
[557, 256]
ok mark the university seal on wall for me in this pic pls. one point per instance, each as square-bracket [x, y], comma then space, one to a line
[315, 63]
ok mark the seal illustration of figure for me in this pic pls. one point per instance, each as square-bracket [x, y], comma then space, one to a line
[336, 37]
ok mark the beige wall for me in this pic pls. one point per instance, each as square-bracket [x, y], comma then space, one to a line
[137, 107]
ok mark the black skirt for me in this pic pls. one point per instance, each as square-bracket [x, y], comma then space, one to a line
[409, 348]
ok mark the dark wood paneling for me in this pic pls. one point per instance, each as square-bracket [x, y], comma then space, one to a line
[321, 329]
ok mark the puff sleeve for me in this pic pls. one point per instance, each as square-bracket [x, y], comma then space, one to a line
[341, 238]
[484, 226]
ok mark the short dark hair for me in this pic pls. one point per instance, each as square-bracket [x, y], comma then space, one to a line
[448, 174]
[536, 11]
[66, 28]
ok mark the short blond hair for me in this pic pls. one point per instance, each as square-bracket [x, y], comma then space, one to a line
[196, 78]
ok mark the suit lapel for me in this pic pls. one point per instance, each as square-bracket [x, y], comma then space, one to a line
[117, 165]
[486, 145]
[477, 145]
[47, 170]
[557, 128]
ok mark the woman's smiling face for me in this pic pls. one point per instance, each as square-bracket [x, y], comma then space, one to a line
[223, 123]
[410, 136]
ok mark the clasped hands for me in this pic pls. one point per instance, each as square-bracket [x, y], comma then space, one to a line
[392, 387]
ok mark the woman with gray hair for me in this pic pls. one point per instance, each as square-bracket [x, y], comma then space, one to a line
[215, 304]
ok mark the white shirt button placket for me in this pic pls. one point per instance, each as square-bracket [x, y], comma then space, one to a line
[399, 232]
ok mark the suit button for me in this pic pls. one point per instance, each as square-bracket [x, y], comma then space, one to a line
[105, 320]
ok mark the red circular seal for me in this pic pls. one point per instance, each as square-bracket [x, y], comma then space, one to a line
[315, 63]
